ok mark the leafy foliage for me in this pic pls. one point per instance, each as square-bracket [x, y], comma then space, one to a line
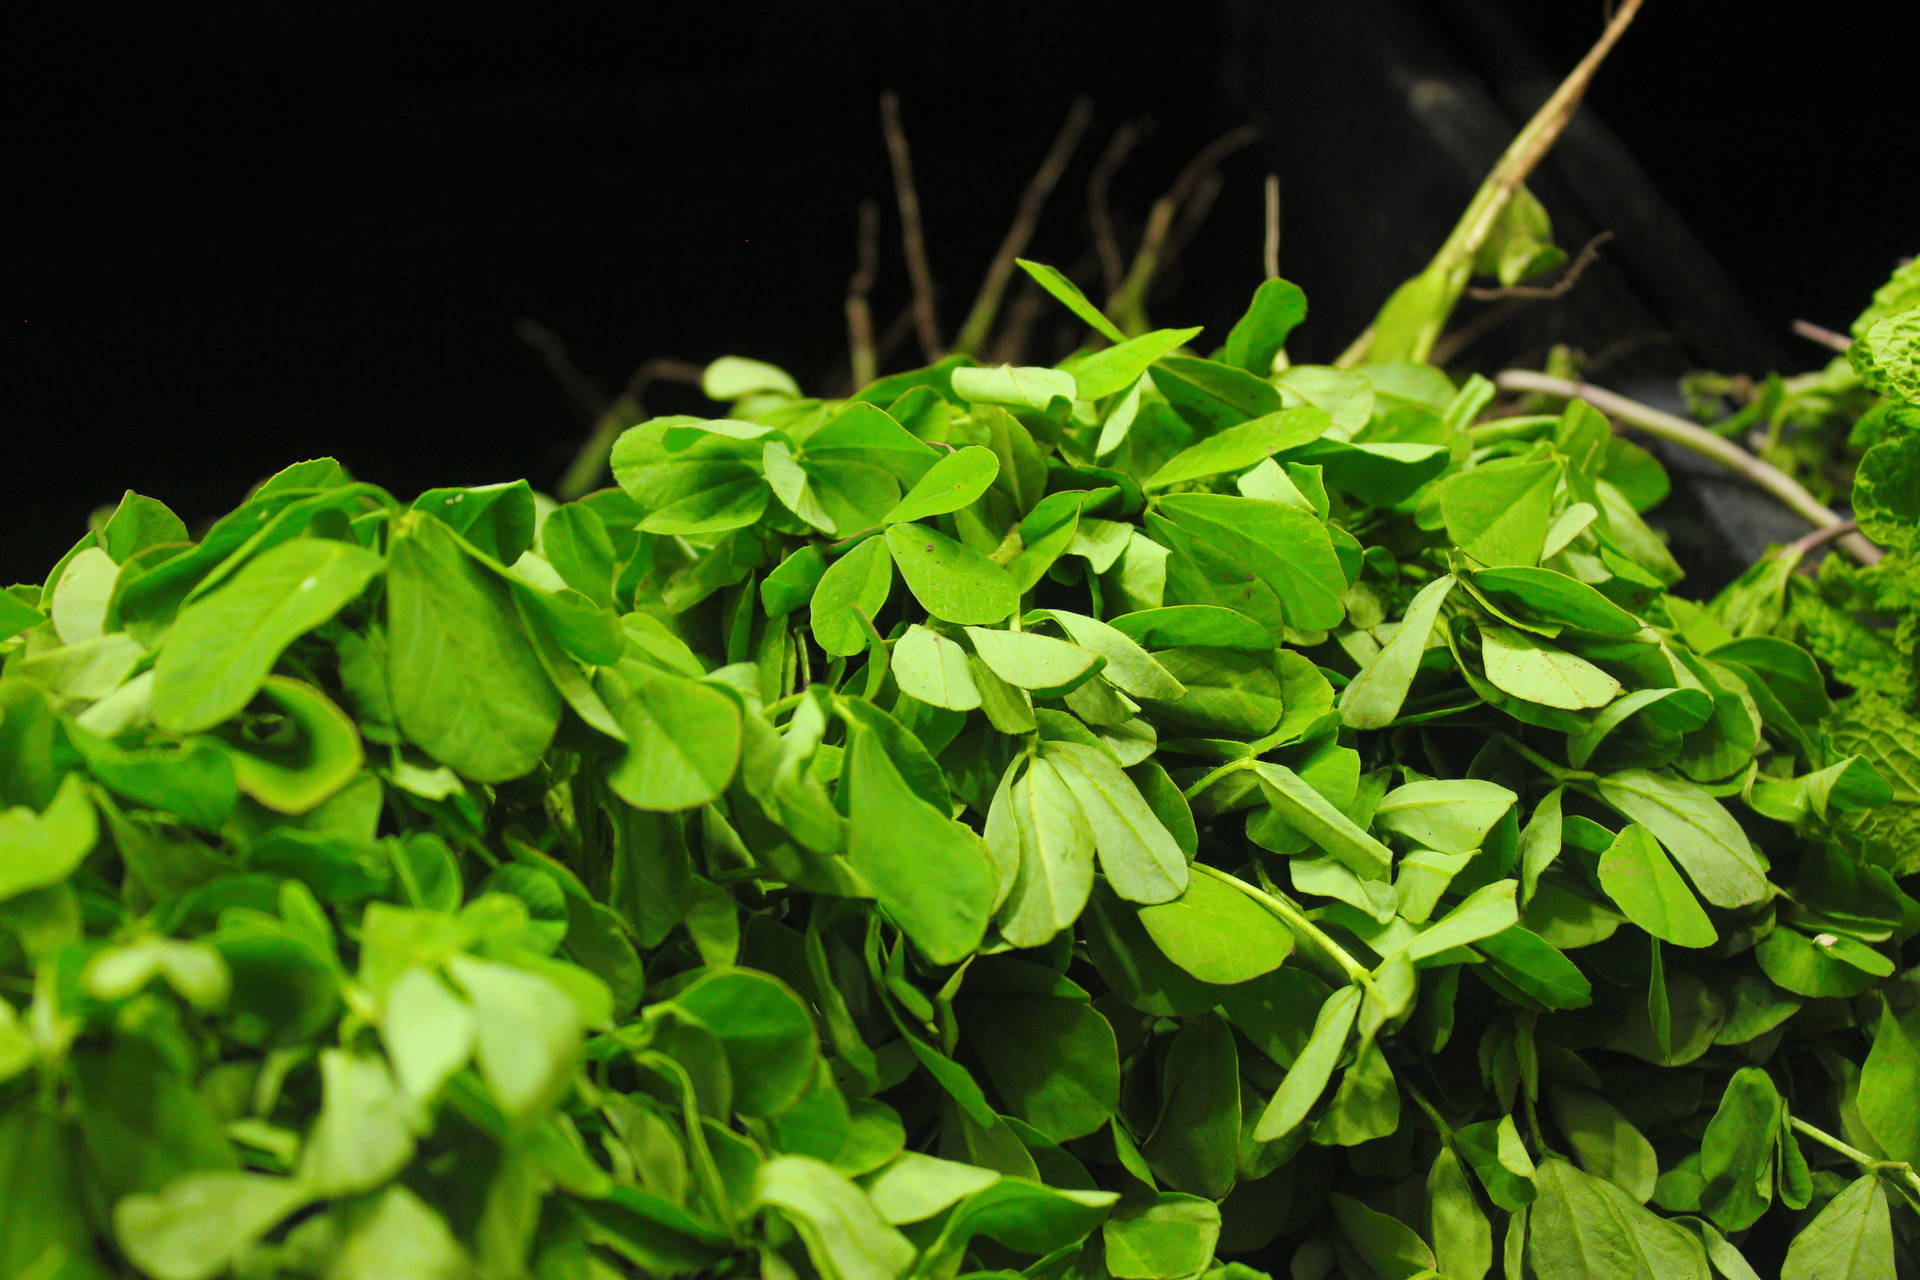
[1108, 820]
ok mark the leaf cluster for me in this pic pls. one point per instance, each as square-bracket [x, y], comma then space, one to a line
[1145, 818]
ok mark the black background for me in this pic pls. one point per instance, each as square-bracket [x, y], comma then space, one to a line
[249, 234]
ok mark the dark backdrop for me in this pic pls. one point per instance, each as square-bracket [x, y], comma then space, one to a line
[248, 234]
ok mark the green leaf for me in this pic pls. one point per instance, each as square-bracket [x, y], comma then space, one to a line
[138, 523]
[843, 1232]
[854, 586]
[1044, 835]
[397, 1235]
[791, 484]
[1696, 829]
[364, 1134]
[1296, 803]
[197, 1226]
[1307, 1079]
[1604, 1141]
[766, 1032]
[1388, 1246]
[1258, 336]
[932, 668]
[497, 519]
[466, 683]
[1487, 912]
[78, 605]
[930, 874]
[1886, 484]
[1130, 668]
[1889, 1084]
[16, 616]
[1583, 1226]
[1345, 395]
[222, 645]
[1546, 595]
[1051, 1056]
[41, 849]
[1373, 698]
[1498, 513]
[951, 580]
[1462, 1237]
[44, 1231]
[949, 484]
[1533, 670]
[294, 750]
[683, 738]
[1637, 874]
[1029, 660]
[1100, 374]
[1216, 395]
[428, 1031]
[1737, 1150]
[1886, 351]
[1161, 1238]
[1196, 1138]
[1850, 1239]
[729, 497]
[1536, 969]
[736, 377]
[1194, 624]
[1241, 446]
[1216, 932]
[1284, 548]
[1452, 815]
[531, 1034]
[1069, 295]
[1021, 387]
[1139, 856]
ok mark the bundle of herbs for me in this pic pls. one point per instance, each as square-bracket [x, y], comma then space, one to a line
[1164, 815]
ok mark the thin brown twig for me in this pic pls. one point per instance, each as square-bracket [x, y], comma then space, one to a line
[1799, 547]
[1824, 336]
[859, 311]
[1270, 246]
[591, 461]
[1588, 255]
[1454, 341]
[993, 288]
[1191, 217]
[553, 354]
[894, 334]
[1017, 329]
[913, 238]
[1127, 305]
[1696, 439]
[1112, 265]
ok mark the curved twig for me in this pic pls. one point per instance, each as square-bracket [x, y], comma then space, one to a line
[1697, 439]
[1127, 305]
[912, 236]
[1112, 266]
[993, 288]
[859, 313]
[591, 462]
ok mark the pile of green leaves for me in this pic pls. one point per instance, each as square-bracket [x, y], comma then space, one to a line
[1147, 818]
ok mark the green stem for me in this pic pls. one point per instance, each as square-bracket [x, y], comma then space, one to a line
[1452, 265]
[1558, 772]
[1900, 1169]
[1297, 921]
[1226, 770]
[1695, 439]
